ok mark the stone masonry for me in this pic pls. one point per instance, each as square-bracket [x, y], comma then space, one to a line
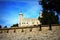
[30, 33]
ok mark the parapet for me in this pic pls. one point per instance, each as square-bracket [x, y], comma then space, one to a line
[29, 29]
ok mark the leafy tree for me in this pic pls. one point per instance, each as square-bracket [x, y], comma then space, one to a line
[48, 19]
[0, 26]
[15, 25]
[52, 6]
[5, 26]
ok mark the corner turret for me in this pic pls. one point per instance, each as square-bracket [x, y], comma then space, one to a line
[20, 18]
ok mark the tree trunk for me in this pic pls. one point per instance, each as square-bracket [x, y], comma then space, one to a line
[50, 27]
[40, 28]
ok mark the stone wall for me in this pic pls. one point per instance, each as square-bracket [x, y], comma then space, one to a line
[30, 33]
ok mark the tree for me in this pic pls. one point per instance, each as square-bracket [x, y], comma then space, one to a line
[51, 5]
[15, 25]
[5, 26]
[0, 26]
[48, 19]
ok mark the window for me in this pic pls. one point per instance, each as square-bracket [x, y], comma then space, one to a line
[37, 22]
[32, 22]
[23, 23]
[19, 23]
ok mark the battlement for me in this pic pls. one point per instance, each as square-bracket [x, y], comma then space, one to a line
[29, 29]
[31, 33]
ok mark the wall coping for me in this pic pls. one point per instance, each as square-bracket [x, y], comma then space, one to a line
[28, 27]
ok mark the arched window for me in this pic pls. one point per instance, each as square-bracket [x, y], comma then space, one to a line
[37, 22]
[32, 22]
[23, 23]
[27, 22]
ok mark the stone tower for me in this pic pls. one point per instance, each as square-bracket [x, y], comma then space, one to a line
[20, 18]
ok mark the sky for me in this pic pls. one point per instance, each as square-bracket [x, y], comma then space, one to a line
[10, 9]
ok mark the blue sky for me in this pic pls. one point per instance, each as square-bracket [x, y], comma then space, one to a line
[9, 10]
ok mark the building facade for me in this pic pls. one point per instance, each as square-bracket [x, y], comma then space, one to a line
[27, 21]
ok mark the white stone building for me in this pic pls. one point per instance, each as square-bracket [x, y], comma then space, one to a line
[27, 21]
